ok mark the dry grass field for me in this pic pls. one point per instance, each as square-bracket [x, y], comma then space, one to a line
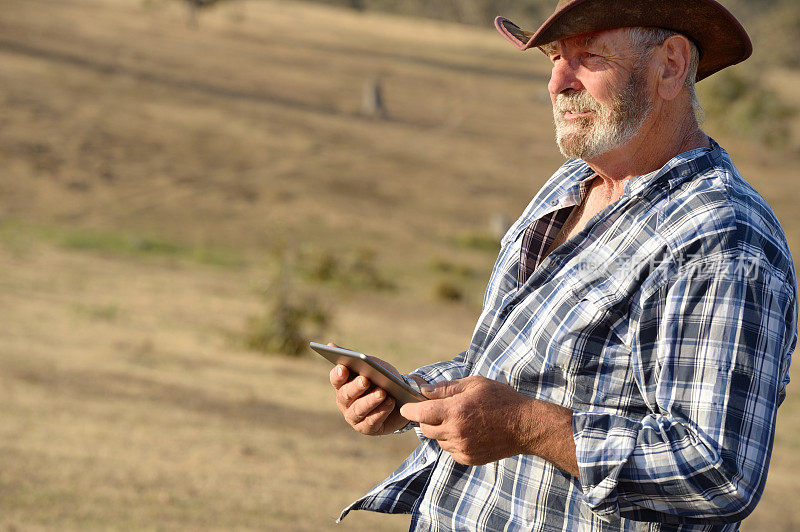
[152, 178]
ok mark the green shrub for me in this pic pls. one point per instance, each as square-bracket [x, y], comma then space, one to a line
[448, 291]
[287, 324]
[449, 268]
[737, 101]
[357, 269]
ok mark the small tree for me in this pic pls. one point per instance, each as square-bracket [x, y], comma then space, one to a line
[290, 319]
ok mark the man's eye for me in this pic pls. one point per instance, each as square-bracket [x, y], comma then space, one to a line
[591, 58]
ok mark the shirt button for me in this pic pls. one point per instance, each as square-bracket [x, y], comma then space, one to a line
[553, 202]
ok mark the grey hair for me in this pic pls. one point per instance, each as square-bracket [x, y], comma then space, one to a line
[646, 39]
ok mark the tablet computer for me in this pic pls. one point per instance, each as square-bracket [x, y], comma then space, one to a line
[361, 364]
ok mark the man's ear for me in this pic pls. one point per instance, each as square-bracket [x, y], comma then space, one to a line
[674, 55]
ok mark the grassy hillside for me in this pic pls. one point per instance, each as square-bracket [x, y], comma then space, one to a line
[153, 179]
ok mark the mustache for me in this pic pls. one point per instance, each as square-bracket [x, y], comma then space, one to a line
[579, 101]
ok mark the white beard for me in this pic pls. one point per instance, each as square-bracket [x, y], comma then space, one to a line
[610, 126]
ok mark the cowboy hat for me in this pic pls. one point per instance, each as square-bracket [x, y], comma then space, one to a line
[720, 37]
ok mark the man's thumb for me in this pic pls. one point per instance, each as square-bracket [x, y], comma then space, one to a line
[442, 389]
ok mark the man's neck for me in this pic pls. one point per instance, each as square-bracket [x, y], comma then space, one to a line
[659, 140]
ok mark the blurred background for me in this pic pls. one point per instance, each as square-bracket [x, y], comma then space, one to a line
[191, 190]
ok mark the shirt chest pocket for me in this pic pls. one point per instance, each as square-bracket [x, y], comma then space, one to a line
[589, 351]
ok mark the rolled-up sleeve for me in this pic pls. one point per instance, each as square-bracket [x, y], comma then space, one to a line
[710, 349]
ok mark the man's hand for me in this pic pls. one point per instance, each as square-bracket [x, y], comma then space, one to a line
[366, 408]
[478, 420]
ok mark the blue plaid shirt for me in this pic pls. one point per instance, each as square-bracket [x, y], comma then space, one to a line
[667, 325]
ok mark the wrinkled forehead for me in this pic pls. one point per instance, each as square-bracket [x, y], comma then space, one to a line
[610, 39]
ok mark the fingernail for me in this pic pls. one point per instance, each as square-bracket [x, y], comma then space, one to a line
[340, 371]
[427, 388]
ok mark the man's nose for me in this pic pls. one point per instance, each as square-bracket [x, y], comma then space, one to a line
[563, 78]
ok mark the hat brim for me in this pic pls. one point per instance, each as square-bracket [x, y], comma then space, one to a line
[721, 38]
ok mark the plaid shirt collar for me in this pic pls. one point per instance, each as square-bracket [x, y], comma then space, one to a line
[568, 186]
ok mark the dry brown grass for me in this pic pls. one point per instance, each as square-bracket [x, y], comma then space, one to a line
[127, 401]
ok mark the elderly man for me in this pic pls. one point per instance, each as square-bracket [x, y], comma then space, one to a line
[636, 333]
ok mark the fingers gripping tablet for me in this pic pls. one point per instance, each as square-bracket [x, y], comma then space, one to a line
[370, 368]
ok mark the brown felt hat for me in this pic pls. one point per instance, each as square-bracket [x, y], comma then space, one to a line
[721, 38]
